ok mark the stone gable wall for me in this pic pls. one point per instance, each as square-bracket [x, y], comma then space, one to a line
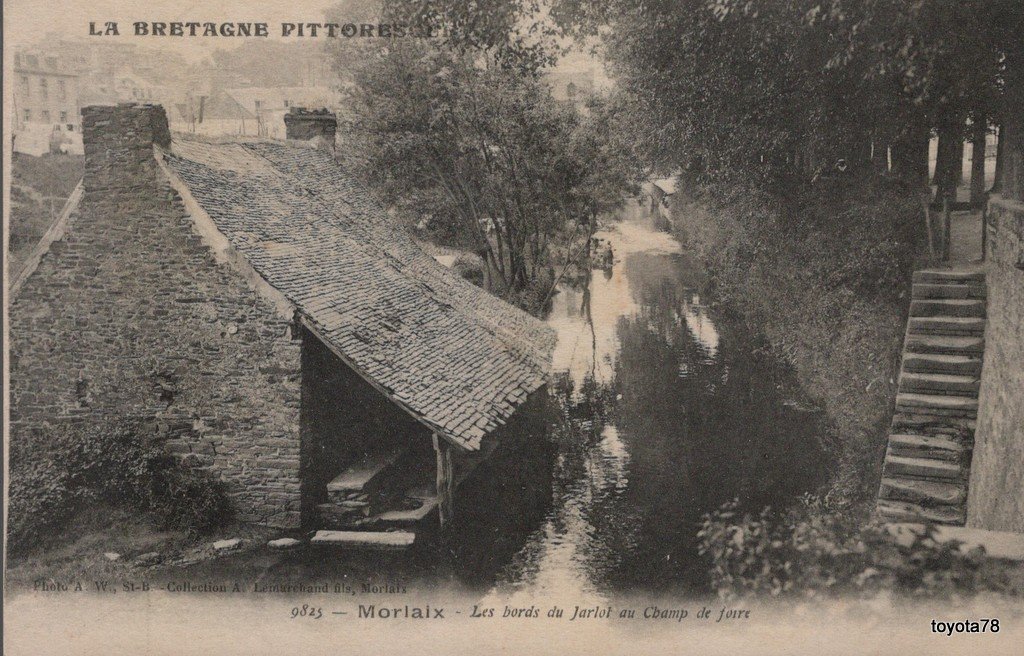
[131, 318]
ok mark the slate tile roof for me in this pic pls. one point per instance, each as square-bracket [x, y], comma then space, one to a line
[453, 355]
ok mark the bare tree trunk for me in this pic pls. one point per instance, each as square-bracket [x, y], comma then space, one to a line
[910, 155]
[957, 177]
[978, 162]
[947, 160]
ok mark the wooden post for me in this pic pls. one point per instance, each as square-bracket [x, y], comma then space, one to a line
[984, 231]
[946, 228]
[926, 201]
[445, 480]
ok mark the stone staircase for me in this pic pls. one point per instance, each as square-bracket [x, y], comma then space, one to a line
[928, 459]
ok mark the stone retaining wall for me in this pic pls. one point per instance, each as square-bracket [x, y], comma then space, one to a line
[996, 498]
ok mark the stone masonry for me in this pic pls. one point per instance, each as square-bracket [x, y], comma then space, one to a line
[131, 318]
[996, 499]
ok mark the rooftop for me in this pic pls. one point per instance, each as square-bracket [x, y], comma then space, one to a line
[457, 358]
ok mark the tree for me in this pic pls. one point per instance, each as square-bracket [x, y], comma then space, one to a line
[776, 92]
[485, 154]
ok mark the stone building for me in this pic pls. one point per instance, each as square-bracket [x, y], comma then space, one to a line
[45, 103]
[252, 306]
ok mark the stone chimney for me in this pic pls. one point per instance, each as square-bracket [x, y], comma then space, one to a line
[306, 124]
[118, 143]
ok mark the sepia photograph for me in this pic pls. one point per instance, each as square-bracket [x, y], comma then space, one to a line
[513, 326]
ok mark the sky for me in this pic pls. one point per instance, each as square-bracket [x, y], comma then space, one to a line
[29, 21]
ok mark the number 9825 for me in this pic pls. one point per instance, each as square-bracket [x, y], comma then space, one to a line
[305, 610]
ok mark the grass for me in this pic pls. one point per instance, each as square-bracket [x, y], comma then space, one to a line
[39, 187]
[82, 545]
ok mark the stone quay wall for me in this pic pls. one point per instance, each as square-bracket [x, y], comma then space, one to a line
[996, 497]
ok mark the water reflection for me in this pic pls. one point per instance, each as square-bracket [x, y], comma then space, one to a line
[664, 415]
[659, 412]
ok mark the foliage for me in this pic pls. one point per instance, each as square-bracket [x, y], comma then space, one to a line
[85, 465]
[777, 91]
[807, 553]
[509, 34]
[491, 159]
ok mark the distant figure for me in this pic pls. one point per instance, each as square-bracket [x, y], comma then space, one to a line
[56, 139]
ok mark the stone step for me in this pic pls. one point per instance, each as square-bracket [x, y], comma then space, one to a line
[377, 540]
[926, 446]
[956, 307]
[934, 415]
[926, 403]
[947, 326]
[405, 518]
[947, 290]
[360, 476]
[924, 493]
[961, 428]
[897, 466]
[1001, 545]
[964, 365]
[941, 276]
[939, 384]
[944, 345]
[902, 511]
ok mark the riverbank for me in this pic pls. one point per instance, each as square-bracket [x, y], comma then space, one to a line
[826, 283]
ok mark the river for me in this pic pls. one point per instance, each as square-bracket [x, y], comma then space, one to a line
[670, 414]
[661, 409]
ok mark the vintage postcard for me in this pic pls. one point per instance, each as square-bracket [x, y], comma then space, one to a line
[513, 326]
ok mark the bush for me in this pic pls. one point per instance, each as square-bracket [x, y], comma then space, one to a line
[806, 552]
[85, 465]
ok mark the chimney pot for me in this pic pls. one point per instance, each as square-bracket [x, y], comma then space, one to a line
[305, 124]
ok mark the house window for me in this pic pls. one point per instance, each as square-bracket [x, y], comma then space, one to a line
[45, 116]
[24, 83]
[62, 89]
[33, 61]
[28, 114]
[43, 87]
[63, 117]
[259, 104]
[51, 62]
[287, 103]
